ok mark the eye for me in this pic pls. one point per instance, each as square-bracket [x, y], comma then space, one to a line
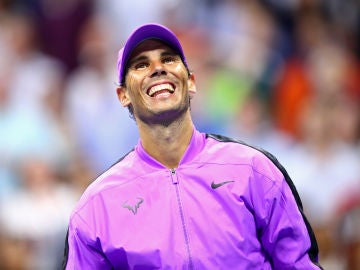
[141, 65]
[169, 60]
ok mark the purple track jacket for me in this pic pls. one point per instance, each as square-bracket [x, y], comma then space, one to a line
[226, 206]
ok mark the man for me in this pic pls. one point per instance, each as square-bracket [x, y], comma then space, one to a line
[182, 199]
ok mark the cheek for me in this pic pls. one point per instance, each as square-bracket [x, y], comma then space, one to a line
[132, 80]
[181, 74]
[134, 85]
[180, 69]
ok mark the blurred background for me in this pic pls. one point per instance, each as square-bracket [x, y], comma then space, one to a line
[283, 75]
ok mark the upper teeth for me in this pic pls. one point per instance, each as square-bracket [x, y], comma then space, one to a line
[160, 87]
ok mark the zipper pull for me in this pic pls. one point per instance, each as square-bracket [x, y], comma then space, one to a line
[174, 178]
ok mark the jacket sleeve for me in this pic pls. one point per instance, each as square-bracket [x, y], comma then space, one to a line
[283, 229]
[287, 237]
[82, 252]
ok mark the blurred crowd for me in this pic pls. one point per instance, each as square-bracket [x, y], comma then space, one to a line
[280, 75]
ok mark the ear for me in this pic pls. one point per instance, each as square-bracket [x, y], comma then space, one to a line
[123, 96]
[192, 85]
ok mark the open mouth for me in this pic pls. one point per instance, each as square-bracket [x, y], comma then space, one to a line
[160, 89]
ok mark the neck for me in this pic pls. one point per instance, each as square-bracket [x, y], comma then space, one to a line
[167, 143]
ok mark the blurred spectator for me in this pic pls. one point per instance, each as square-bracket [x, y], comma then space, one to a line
[79, 174]
[117, 15]
[346, 27]
[348, 225]
[35, 75]
[293, 88]
[59, 23]
[243, 39]
[253, 125]
[25, 131]
[320, 65]
[101, 127]
[291, 94]
[324, 169]
[14, 253]
[38, 212]
[28, 83]
[346, 120]
[8, 181]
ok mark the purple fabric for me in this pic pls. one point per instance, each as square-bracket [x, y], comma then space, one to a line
[226, 206]
[147, 31]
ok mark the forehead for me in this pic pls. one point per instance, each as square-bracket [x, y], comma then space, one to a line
[150, 45]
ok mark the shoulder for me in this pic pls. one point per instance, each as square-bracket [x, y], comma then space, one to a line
[262, 161]
[233, 147]
[234, 151]
[116, 176]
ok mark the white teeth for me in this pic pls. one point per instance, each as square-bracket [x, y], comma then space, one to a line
[159, 87]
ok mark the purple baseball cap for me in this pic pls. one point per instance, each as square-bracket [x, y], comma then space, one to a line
[144, 32]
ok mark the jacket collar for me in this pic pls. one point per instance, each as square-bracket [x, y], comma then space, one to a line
[195, 146]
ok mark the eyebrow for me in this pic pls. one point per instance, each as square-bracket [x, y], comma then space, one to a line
[136, 59]
[143, 57]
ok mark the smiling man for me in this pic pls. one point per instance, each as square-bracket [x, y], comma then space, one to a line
[182, 199]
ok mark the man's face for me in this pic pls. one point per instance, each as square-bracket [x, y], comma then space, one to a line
[157, 84]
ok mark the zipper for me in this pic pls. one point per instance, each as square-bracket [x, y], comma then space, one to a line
[175, 181]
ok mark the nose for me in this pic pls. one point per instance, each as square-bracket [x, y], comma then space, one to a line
[158, 69]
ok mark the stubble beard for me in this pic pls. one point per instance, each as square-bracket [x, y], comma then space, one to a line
[165, 118]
